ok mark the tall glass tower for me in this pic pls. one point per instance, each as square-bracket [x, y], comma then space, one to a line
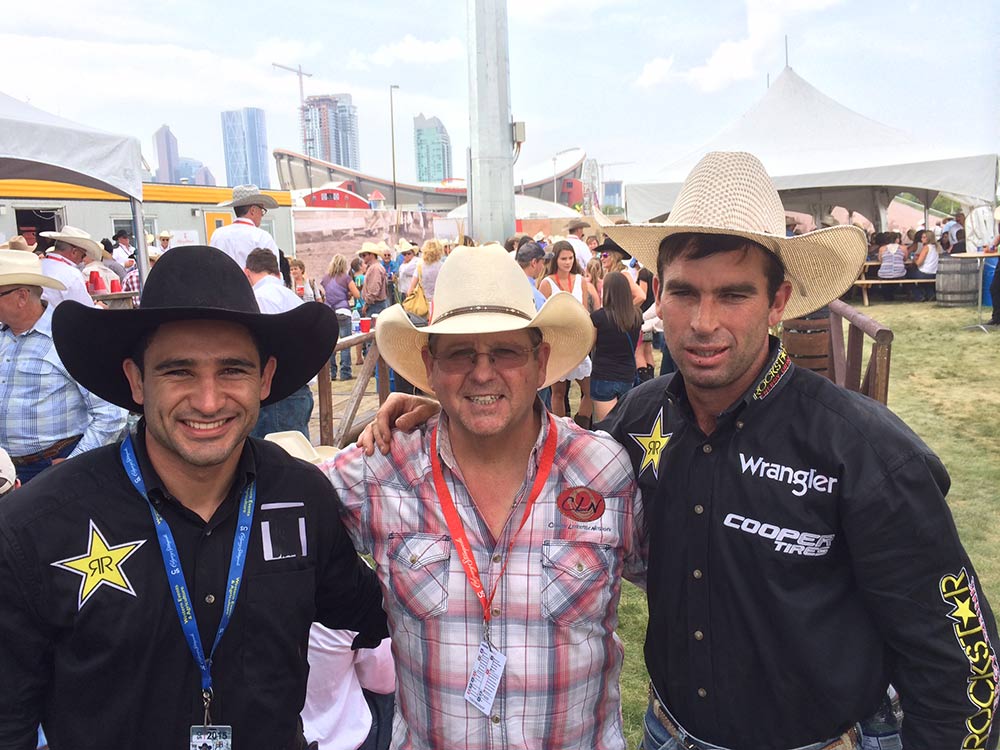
[244, 140]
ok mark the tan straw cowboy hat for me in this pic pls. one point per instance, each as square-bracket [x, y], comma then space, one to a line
[20, 268]
[731, 193]
[250, 195]
[78, 238]
[483, 290]
[297, 445]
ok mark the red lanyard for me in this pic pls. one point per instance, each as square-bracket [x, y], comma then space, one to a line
[61, 259]
[561, 287]
[455, 523]
[241, 220]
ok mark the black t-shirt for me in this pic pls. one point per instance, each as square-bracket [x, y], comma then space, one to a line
[646, 275]
[614, 352]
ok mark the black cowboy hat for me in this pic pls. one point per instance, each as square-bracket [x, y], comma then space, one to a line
[193, 282]
[609, 244]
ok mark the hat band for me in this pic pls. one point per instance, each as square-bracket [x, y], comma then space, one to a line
[482, 309]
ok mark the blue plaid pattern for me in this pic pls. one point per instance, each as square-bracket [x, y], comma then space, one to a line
[40, 401]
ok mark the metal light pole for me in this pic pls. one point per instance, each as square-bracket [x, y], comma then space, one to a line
[392, 135]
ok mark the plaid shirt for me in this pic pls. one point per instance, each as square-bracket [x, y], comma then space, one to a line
[41, 403]
[555, 610]
[131, 282]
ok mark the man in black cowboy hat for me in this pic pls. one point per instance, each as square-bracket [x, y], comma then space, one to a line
[159, 592]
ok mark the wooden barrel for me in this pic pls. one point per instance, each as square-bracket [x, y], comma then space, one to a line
[957, 283]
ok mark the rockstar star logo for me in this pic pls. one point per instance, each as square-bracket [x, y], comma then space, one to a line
[101, 565]
[652, 443]
[964, 611]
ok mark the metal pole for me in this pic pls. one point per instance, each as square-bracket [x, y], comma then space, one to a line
[555, 195]
[392, 135]
[139, 230]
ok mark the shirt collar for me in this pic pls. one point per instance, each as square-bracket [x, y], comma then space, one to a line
[241, 220]
[268, 280]
[43, 325]
[448, 456]
[246, 469]
[772, 378]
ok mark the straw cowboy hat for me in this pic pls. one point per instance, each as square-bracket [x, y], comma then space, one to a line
[77, 238]
[483, 290]
[193, 282]
[19, 267]
[17, 242]
[731, 193]
[297, 445]
[165, 235]
[403, 246]
[250, 195]
[369, 248]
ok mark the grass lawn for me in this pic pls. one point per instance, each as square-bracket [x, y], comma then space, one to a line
[943, 384]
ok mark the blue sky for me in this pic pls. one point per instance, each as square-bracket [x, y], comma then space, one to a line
[639, 81]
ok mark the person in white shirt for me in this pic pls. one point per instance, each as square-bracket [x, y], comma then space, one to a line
[63, 262]
[237, 239]
[164, 239]
[123, 251]
[349, 696]
[575, 230]
[295, 411]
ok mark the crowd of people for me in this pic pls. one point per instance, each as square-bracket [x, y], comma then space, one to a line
[179, 565]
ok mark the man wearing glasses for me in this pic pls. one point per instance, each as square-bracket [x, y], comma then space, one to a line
[48, 416]
[238, 239]
[500, 535]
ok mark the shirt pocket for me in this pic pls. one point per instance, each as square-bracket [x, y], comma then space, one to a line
[418, 572]
[576, 581]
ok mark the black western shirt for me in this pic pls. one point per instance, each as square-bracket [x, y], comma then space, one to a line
[801, 558]
[90, 641]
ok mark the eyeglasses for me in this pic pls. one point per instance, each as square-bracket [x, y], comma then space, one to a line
[263, 211]
[605, 255]
[463, 361]
[11, 291]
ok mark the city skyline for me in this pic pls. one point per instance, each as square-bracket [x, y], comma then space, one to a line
[173, 168]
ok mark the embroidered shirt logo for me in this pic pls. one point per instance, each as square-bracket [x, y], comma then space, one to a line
[799, 479]
[773, 376]
[652, 444]
[101, 565]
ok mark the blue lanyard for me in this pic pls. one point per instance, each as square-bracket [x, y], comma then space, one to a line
[175, 574]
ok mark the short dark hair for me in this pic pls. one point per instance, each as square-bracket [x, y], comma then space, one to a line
[138, 352]
[696, 246]
[262, 260]
[241, 210]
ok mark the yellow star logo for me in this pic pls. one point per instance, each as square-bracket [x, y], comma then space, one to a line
[964, 611]
[652, 444]
[101, 565]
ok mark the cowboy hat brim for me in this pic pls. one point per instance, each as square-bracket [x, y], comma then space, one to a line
[257, 199]
[821, 265]
[31, 279]
[93, 343]
[564, 324]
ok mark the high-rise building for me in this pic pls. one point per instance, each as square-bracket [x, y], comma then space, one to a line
[194, 172]
[330, 124]
[244, 140]
[432, 146]
[166, 155]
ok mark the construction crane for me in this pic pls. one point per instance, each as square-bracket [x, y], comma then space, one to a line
[600, 173]
[302, 98]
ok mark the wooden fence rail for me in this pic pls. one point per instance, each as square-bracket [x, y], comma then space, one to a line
[351, 422]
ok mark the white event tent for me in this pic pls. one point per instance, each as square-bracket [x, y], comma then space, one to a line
[37, 145]
[526, 207]
[822, 154]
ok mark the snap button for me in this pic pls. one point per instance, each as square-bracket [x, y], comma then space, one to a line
[702, 693]
[209, 599]
[696, 573]
[706, 448]
[699, 509]
[698, 635]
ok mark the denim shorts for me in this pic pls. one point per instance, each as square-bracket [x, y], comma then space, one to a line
[608, 390]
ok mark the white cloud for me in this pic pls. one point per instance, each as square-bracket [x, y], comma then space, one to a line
[737, 59]
[542, 10]
[409, 50]
[655, 72]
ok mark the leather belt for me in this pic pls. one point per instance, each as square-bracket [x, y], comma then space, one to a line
[51, 452]
[849, 740]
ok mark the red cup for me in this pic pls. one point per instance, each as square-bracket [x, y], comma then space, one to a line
[94, 278]
[97, 281]
[366, 325]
